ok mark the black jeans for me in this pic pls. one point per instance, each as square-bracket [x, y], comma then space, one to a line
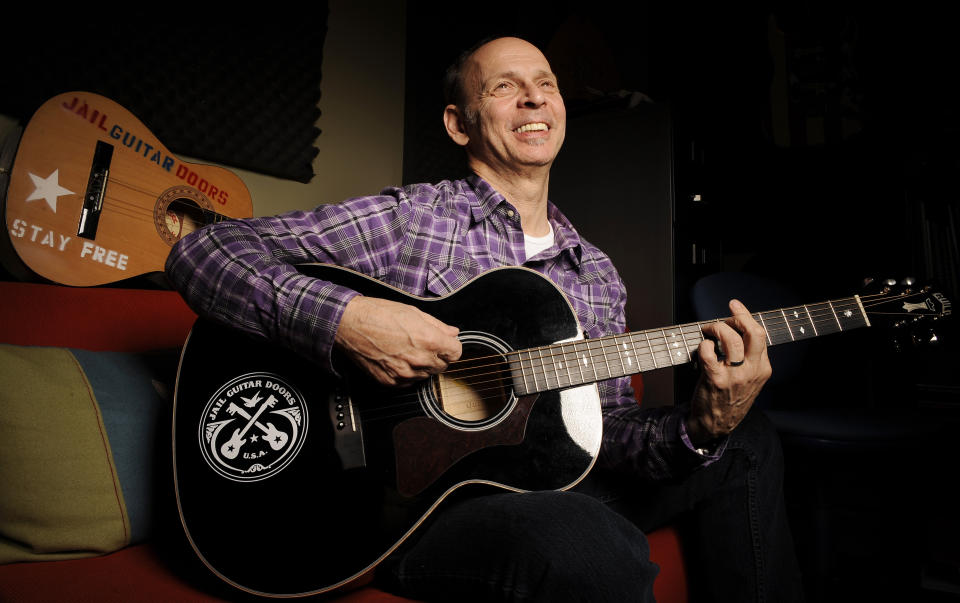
[589, 544]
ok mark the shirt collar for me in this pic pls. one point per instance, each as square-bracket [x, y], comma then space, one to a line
[489, 199]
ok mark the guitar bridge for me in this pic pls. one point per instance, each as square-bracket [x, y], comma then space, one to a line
[96, 189]
[347, 430]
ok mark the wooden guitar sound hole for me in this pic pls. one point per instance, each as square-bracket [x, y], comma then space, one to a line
[179, 211]
[475, 391]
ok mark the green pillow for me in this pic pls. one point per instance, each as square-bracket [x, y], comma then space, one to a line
[80, 432]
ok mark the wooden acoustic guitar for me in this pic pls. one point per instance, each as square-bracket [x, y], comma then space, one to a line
[290, 482]
[95, 198]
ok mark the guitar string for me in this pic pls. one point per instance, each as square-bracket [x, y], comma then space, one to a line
[659, 346]
[139, 212]
[391, 411]
[646, 358]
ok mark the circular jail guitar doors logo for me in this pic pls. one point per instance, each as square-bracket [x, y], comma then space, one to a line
[253, 427]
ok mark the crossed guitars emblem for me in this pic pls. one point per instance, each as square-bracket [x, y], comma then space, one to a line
[273, 436]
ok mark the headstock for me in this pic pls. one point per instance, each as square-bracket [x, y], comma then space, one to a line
[911, 309]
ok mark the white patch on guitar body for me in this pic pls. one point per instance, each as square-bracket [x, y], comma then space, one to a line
[580, 409]
[48, 189]
[108, 257]
[253, 427]
[38, 234]
[21, 229]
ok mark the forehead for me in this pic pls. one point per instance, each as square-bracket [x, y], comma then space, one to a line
[506, 56]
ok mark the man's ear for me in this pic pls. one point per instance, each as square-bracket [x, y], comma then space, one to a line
[456, 126]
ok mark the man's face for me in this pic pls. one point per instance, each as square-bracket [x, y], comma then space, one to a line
[520, 117]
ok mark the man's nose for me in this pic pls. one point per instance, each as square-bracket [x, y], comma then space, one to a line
[532, 95]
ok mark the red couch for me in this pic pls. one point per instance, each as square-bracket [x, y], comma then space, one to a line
[137, 321]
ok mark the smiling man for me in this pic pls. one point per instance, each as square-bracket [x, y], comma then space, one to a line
[710, 464]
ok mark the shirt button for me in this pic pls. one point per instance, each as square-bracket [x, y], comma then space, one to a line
[509, 213]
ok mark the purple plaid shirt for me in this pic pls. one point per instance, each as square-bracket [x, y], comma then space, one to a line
[427, 240]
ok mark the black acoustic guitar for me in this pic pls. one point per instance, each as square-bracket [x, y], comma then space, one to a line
[290, 482]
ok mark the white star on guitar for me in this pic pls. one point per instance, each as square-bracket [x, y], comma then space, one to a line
[48, 189]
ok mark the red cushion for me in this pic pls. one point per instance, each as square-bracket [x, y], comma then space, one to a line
[665, 550]
[137, 574]
[133, 574]
[123, 320]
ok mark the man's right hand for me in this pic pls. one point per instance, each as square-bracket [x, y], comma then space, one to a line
[396, 343]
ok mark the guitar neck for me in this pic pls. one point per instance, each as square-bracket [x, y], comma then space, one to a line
[586, 361]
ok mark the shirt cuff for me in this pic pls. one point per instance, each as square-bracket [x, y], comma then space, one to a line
[708, 453]
[311, 310]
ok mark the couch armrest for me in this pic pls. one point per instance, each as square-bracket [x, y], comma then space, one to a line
[123, 320]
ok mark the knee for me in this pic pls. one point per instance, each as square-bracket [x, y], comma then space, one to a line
[582, 550]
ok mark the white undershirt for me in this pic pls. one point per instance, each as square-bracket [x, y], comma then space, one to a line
[534, 245]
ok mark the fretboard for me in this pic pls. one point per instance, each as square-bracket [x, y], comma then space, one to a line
[585, 361]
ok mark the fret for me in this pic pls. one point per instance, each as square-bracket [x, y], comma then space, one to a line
[606, 362]
[643, 363]
[776, 325]
[674, 351]
[685, 348]
[834, 312]
[559, 366]
[546, 373]
[766, 331]
[535, 353]
[692, 336]
[577, 363]
[627, 357]
[786, 323]
[812, 324]
[533, 371]
[825, 319]
[653, 354]
[585, 362]
[853, 314]
[621, 349]
[695, 333]
[570, 362]
[518, 376]
[664, 355]
[798, 320]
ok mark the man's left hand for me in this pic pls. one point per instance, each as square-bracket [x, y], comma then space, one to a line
[729, 382]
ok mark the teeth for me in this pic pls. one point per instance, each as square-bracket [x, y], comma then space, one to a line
[531, 128]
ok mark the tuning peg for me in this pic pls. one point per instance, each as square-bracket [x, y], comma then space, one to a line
[925, 337]
[890, 282]
[908, 281]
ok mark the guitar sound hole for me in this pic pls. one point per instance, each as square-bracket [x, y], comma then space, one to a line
[475, 391]
[179, 211]
[183, 216]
